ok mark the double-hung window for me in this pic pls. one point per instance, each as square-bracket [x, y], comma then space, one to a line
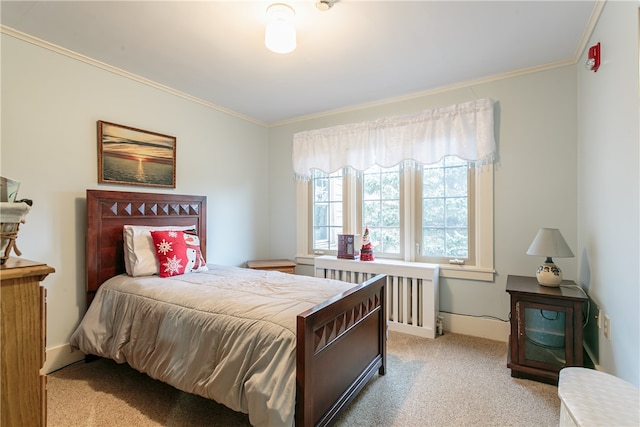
[438, 211]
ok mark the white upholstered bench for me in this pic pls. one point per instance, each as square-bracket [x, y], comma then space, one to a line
[595, 398]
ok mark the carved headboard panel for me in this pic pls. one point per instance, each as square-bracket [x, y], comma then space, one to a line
[109, 211]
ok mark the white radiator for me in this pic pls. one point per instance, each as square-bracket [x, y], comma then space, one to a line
[412, 289]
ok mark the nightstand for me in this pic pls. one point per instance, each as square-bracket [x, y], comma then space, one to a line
[283, 265]
[546, 328]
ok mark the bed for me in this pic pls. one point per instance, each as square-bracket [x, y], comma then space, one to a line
[333, 345]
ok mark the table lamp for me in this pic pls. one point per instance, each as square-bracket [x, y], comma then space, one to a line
[549, 243]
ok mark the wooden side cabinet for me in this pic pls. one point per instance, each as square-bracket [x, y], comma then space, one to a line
[283, 265]
[546, 328]
[22, 343]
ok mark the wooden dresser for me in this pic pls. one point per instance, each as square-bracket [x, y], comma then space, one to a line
[22, 343]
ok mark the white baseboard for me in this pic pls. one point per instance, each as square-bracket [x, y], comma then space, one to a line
[476, 326]
[411, 330]
[59, 357]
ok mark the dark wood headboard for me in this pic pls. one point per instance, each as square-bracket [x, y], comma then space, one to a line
[109, 211]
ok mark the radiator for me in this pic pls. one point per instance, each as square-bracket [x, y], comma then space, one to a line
[412, 289]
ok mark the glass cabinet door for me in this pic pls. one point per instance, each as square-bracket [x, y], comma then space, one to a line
[543, 335]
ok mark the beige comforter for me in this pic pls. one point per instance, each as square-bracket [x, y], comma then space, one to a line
[227, 334]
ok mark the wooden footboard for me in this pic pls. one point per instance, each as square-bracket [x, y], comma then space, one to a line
[340, 345]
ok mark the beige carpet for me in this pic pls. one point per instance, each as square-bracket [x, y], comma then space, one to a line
[454, 380]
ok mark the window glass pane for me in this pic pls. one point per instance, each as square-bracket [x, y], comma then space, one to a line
[372, 213]
[456, 212]
[434, 242]
[433, 212]
[457, 239]
[321, 214]
[333, 237]
[390, 183]
[390, 213]
[321, 189]
[381, 208]
[321, 237]
[371, 185]
[388, 239]
[327, 209]
[433, 182]
[456, 181]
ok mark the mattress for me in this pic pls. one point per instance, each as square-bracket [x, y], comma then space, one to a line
[227, 334]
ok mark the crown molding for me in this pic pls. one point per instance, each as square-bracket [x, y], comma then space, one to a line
[115, 70]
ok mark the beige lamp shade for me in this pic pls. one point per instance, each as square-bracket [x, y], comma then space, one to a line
[549, 243]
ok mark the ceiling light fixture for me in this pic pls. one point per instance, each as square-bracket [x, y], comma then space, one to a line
[280, 33]
[324, 5]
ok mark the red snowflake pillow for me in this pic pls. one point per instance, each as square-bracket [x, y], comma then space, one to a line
[178, 252]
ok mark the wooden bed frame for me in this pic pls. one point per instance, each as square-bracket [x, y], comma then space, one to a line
[341, 343]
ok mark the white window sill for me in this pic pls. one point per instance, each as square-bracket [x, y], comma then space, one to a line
[467, 272]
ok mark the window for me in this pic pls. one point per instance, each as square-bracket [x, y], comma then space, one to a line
[440, 213]
[430, 207]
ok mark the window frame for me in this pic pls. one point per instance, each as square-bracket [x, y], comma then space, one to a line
[482, 209]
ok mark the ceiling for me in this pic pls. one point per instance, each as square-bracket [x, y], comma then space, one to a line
[356, 53]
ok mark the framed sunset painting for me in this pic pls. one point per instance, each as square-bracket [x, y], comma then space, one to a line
[133, 156]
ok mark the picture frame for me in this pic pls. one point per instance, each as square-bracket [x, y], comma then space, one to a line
[131, 156]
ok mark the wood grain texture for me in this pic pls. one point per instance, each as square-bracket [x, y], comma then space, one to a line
[283, 265]
[109, 211]
[364, 340]
[22, 346]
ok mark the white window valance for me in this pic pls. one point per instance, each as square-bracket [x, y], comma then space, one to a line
[465, 130]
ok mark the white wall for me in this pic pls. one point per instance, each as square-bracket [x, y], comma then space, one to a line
[535, 176]
[50, 105]
[609, 186]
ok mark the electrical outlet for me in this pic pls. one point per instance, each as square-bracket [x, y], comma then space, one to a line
[607, 327]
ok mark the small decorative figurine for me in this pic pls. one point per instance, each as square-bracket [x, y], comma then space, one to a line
[366, 253]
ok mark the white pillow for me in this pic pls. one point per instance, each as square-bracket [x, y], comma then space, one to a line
[139, 254]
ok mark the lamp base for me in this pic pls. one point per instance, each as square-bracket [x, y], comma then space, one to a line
[549, 274]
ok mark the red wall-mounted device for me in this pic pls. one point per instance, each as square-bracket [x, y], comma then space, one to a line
[594, 57]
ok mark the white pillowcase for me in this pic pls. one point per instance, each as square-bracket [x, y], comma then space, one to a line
[139, 254]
